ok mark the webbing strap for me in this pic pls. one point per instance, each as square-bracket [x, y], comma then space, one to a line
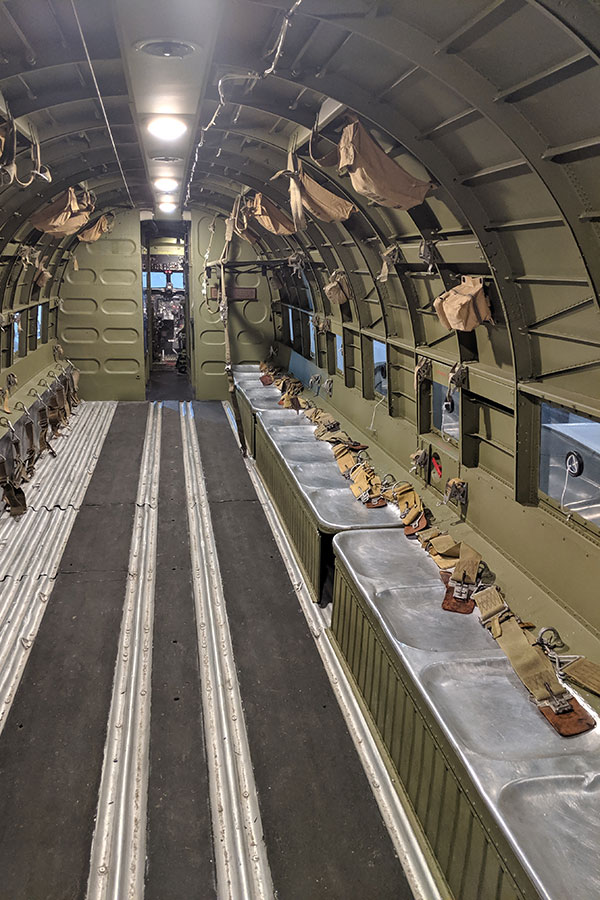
[529, 662]
[584, 673]
[467, 566]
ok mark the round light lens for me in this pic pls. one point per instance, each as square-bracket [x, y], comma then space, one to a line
[166, 184]
[167, 128]
[167, 207]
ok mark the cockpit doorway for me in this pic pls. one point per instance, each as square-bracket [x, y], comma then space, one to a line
[165, 279]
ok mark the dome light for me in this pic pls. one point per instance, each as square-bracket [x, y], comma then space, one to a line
[167, 207]
[167, 127]
[166, 184]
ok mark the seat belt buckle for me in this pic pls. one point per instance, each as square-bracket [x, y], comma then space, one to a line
[566, 715]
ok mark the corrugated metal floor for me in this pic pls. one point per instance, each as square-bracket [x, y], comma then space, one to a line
[324, 835]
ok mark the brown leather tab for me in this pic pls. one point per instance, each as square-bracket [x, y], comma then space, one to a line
[451, 604]
[419, 525]
[375, 503]
[266, 380]
[568, 724]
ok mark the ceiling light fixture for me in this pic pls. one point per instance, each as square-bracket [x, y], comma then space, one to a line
[166, 184]
[166, 49]
[167, 127]
[167, 159]
[167, 207]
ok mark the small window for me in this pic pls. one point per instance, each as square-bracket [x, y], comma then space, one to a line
[158, 279]
[291, 325]
[312, 338]
[39, 323]
[144, 279]
[16, 334]
[339, 353]
[446, 411]
[380, 368]
[570, 461]
[177, 281]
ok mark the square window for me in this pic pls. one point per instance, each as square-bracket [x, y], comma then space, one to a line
[312, 338]
[570, 461]
[291, 325]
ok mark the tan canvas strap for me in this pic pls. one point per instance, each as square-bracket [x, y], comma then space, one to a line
[530, 663]
[345, 458]
[426, 536]
[467, 567]
[293, 174]
[389, 258]
[444, 551]
[584, 673]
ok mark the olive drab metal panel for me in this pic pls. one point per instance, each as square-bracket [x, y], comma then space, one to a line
[101, 322]
[250, 321]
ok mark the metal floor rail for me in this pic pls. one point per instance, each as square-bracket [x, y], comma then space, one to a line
[35, 541]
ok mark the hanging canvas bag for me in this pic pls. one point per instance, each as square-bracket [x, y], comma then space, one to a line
[269, 216]
[372, 172]
[338, 288]
[95, 231]
[465, 306]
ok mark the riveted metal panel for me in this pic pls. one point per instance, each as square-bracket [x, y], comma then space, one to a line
[472, 854]
[101, 324]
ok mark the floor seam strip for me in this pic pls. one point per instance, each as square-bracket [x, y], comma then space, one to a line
[117, 860]
[241, 857]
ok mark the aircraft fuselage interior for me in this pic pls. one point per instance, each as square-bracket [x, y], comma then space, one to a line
[299, 449]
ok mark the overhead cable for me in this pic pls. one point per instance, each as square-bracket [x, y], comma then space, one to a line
[277, 50]
[101, 101]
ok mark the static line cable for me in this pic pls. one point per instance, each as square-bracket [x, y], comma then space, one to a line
[101, 101]
[253, 77]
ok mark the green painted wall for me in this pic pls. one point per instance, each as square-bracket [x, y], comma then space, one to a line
[100, 324]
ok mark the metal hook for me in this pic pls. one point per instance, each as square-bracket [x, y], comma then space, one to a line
[553, 642]
[6, 423]
[43, 382]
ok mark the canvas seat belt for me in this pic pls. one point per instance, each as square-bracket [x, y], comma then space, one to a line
[366, 485]
[12, 495]
[44, 424]
[345, 459]
[532, 666]
[12, 476]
